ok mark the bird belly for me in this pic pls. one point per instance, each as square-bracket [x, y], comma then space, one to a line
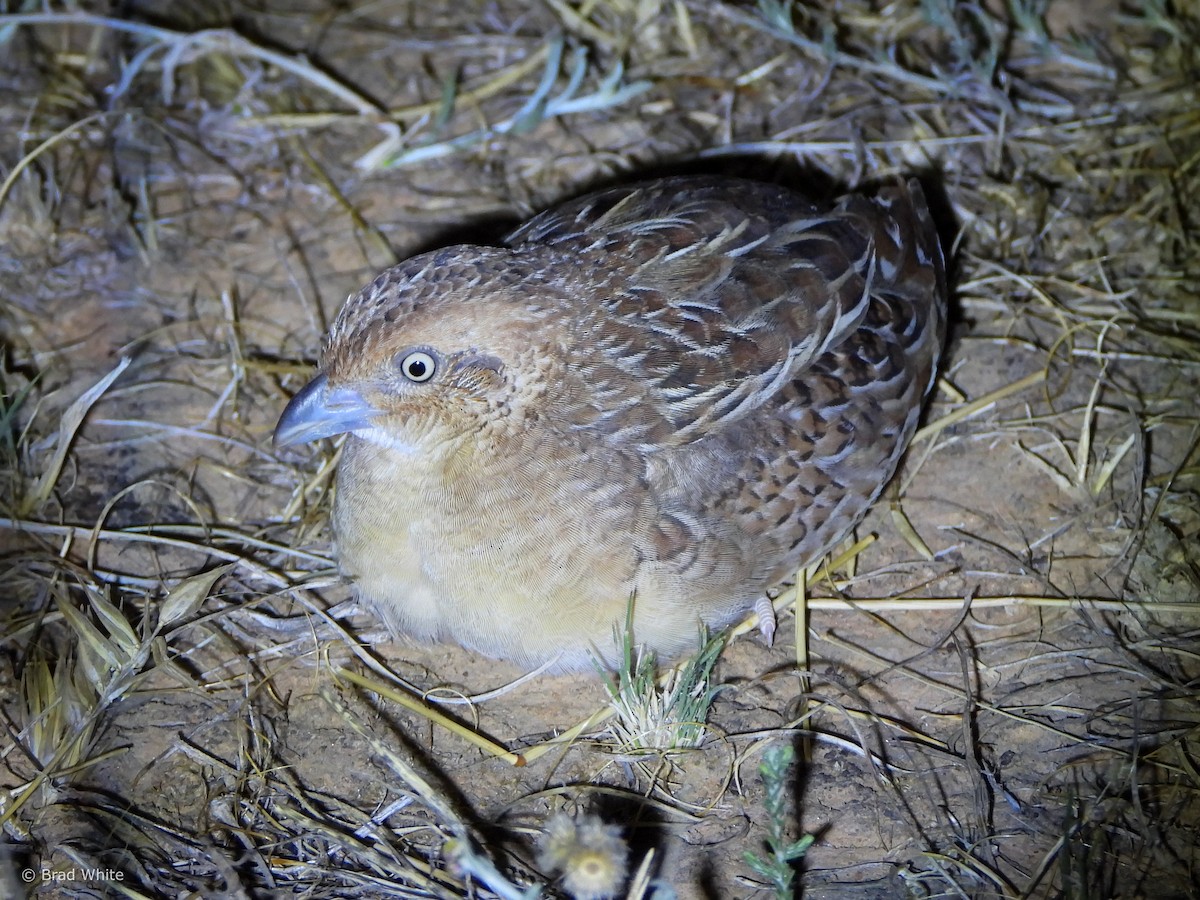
[488, 563]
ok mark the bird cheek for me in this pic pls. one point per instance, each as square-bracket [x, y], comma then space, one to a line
[478, 384]
[477, 373]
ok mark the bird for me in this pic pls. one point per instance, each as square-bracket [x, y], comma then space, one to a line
[654, 401]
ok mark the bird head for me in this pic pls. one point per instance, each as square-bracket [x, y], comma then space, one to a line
[448, 345]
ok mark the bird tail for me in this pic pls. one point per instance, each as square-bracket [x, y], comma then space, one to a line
[905, 237]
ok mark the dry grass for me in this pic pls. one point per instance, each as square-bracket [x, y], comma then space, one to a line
[995, 698]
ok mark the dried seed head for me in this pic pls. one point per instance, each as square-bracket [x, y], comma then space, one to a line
[589, 855]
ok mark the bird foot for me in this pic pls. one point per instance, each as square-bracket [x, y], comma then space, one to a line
[766, 619]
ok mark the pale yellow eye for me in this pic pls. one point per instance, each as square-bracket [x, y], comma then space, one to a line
[418, 366]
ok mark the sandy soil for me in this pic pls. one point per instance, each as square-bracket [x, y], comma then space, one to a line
[1000, 748]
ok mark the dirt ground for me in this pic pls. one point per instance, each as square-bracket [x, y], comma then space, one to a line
[1012, 714]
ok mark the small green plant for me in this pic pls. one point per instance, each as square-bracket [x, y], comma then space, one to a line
[776, 868]
[667, 712]
[778, 14]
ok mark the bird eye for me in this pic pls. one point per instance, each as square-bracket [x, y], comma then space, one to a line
[418, 366]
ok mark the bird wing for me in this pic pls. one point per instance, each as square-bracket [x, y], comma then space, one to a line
[706, 296]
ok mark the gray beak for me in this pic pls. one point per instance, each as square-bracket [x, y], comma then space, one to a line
[318, 412]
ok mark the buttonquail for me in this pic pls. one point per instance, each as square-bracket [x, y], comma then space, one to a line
[676, 392]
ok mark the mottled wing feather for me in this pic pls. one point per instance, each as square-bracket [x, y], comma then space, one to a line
[743, 285]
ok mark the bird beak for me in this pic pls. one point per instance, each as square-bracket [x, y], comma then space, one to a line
[318, 412]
